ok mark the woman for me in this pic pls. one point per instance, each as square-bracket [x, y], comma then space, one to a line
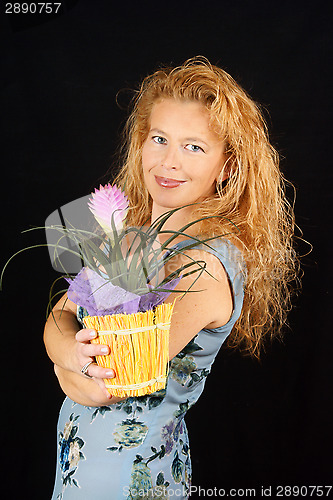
[193, 137]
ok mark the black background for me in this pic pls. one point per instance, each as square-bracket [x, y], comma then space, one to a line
[267, 423]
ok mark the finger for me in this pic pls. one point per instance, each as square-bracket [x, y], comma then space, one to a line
[88, 352]
[91, 350]
[98, 372]
[101, 385]
[85, 335]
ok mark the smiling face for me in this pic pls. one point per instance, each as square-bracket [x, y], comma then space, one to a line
[181, 157]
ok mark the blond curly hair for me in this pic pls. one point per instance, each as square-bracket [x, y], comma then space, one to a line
[253, 197]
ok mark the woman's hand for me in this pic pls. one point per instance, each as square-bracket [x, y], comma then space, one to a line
[85, 352]
[70, 349]
[82, 390]
[86, 390]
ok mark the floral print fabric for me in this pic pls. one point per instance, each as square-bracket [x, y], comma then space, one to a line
[138, 448]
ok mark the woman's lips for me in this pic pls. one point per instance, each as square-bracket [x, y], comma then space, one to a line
[168, 183]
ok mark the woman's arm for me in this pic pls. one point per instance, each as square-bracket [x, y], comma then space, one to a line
[209, 305]
[59, 334]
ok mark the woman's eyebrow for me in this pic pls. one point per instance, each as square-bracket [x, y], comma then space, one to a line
[194, 139]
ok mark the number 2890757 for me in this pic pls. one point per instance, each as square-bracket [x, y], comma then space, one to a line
[32, 8]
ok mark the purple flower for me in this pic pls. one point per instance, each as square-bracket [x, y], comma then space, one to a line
[106, 203]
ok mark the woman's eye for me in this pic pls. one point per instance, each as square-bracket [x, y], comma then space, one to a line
[158, 139]
[195, 148]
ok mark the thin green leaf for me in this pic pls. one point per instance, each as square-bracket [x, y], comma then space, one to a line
[194, 261]
[49, 309]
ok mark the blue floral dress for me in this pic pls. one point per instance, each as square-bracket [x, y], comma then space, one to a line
[138, 448]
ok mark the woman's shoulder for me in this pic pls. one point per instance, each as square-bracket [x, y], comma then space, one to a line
[226, 251]
[210, 266]
[204, 293]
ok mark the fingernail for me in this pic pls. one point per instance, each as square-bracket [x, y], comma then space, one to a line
[92, 335]
[109, 374]
[105, 350]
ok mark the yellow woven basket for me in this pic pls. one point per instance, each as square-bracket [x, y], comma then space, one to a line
[139, 349]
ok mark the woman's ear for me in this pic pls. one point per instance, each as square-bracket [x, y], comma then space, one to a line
[226, 168]
[224, 173]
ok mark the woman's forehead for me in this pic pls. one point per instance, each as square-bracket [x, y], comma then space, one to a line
[184, 114]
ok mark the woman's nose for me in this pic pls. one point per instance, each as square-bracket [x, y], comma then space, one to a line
[171, 160]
